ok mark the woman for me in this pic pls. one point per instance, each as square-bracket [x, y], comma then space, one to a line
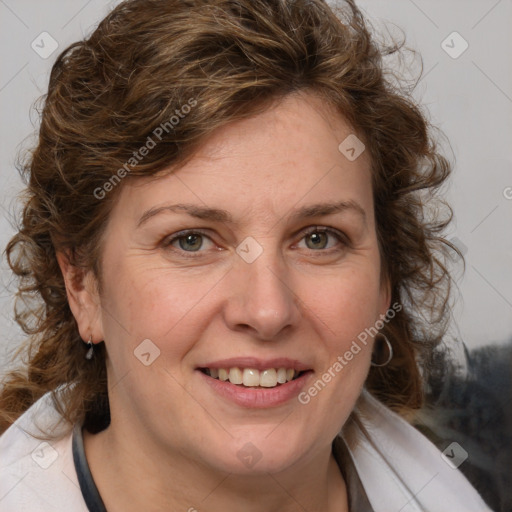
[225, 221]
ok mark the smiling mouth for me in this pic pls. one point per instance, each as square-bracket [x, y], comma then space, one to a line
[252, 378]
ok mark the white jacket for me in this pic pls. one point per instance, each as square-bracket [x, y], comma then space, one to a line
[399, 469]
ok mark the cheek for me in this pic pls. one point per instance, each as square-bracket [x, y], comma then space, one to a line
[345, 305]
[153, 303]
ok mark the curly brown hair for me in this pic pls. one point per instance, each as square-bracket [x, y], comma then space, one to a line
[146, 59]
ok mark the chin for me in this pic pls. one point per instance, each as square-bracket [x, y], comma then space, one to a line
[258, 452]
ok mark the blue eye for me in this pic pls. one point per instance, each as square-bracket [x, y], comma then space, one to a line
[189, 241]
[193, 242]
[319, 239]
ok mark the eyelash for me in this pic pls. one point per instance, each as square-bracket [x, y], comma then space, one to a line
[340, 237]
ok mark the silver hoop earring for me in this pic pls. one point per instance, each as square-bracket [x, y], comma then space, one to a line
[90, 352]
[379, 351]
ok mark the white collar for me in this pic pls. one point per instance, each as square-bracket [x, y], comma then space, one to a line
[399, 468]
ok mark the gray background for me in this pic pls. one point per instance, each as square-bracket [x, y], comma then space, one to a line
[468, 97]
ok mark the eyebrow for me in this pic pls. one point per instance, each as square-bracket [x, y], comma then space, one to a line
[323, 209]
[193, 210]
[219, 215]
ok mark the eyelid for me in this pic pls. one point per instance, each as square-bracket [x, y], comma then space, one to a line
[185, 232]
[169, 240]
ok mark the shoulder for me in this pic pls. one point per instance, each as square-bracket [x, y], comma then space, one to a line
[37, 473]
[400, 469]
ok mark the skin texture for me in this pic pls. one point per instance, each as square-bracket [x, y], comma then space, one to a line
[173, 441]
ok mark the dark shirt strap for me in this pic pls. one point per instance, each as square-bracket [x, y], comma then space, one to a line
[357, 498]
[89, 490]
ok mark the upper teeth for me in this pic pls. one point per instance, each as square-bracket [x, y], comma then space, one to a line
[268, 378]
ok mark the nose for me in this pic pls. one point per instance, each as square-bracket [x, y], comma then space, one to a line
[261, 300]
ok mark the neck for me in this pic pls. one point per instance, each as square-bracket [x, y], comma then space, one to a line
[130, 479]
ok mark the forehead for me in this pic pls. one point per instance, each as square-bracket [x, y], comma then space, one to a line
[286, 157]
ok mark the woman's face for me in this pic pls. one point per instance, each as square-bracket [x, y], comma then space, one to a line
[259, 254]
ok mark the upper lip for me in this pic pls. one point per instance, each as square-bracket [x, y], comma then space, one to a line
[258, 364]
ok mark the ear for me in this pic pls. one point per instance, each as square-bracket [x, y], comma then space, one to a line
[83, 298]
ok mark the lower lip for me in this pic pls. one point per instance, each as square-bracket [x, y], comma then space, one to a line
[257, 398]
